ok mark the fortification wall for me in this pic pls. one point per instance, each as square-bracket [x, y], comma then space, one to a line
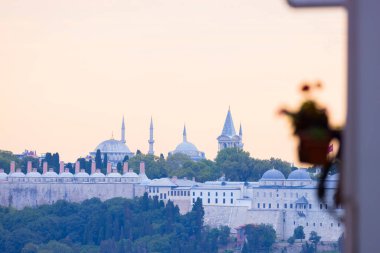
[20, 195]
[284, 222]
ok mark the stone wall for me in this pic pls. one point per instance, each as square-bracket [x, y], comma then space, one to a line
[20, 195]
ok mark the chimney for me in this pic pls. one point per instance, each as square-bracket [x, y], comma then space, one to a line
[125, 167]
[13, 167]
[108, 168]
[61, 167]
[44, 167]
[29, 167]
[174, 179]
[142, 168]
[77, 167]
[93, 167]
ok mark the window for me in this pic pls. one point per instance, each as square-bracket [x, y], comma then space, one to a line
[277, 195]
[150, 190]
[208, 194]
[294, 223]
[326, 206]
[193, 193]
[188, 193]
[285, 205]
[201, 194]
[175, 193]
[208, 201]
[224, 201]
[269, 205]
[158, 190]
[338, 224]
[154, 190]
[314, 224]
[224, 194]
[309, 206]
[263, 205]
[216, 194]
[320, 224]
[193, 200]
[164, 195]
[278, 205]
[160, 195]
[332, 224]
[232, 194]
[307, 224]
[232, 201]
[258, 205]
[216, 201]
[320, 206]
[291, 206]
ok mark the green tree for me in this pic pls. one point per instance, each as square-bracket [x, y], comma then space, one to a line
[299, 233]
[235, 163]
[314, 238]
[98, 159]
[259, 238]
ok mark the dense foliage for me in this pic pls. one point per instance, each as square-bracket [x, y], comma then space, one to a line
[260, 238]
[114, 226]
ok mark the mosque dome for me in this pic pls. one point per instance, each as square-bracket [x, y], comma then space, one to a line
[114, 174]
[98, 174]
[112, 145]
[273, 174]
[188, 148]
[299, 174]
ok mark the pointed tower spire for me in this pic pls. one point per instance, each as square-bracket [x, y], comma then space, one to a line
[229, 128]
[151, 140]
[240, 131]
[122, 131]
[184, 134]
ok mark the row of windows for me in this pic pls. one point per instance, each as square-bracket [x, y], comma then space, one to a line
[320, 224]
[297, 206]
[179, 193]
[270, 194]
[216, 201]
[216, 194]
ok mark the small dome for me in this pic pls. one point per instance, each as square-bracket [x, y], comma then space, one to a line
[185, 147]
[3, 175]
[130, 174]
[50, 173]
[273, 174]
[114, 174]
[299, 174]
[66, 174]
[112, 145]
[33, 174]
[97, 174]
[82, 173]
[17, 174]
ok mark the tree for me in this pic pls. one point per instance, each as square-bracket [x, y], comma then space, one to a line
[98, 159]
[235, 163]
[314, 238]
[299, 233]
[307, 248]
[259, 238]
[291, 240]
[105, 162]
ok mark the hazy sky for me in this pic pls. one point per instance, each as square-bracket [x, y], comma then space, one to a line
[69, 71]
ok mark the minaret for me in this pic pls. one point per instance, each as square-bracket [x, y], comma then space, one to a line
[123, 131]
[184, 134]
[151, 140]
[240, 132]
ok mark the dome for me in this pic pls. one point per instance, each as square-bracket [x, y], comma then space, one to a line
[185, 147]
[273, 174]
[82, 173]
[98, 174]
[50, 174]
[66, 174]
[299, 174]
[130, 174]
[17, 174]
[33, 174]
[3, 175]
[112, 146]
[114, 174]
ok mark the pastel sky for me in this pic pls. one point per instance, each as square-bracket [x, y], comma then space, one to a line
[69, 71]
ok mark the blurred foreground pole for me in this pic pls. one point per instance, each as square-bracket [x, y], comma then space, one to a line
[361, 179]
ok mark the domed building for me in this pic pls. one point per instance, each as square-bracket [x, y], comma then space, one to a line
[299, 177]
[188, 148]
[116, 150]
[272, 177]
